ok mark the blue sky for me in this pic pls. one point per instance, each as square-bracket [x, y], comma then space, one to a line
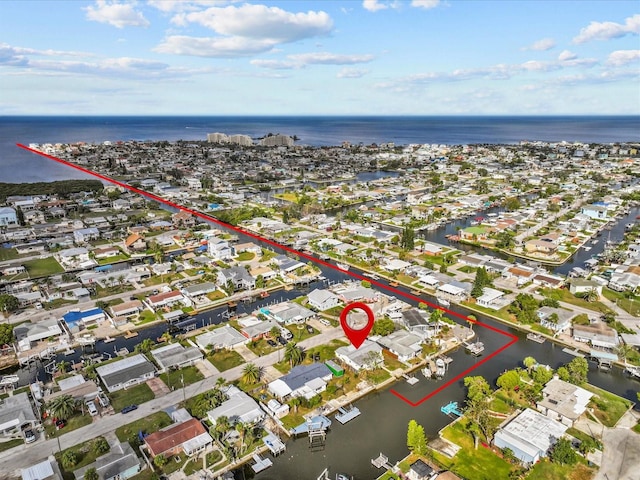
[371, 57]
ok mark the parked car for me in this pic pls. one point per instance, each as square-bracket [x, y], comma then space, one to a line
[324, 321]
[29, 436]
[310, 329]
[93, 410]
[271, 343]
[129, 408]
[281, 340]
[286, 334]
[60, 423]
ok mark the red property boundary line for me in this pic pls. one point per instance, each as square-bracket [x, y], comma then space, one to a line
[209, 218]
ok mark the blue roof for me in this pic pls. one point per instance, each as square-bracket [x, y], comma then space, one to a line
[73, 318]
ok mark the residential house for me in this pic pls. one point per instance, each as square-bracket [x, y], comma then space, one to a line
[27, 333]
[556, 319]
[623, 281]
[563, 401]
[546, 247]
[126, 311]
[16, 414]
[580, 286]
[8, 216]
[225, 337]
[175, 355]
[288, 313]
[126, 372]
[183, 219]
[31, 247]
[188, 436]
[199, 289]
[75, 258]
[597, 334]
[419, 470]
[529, 436]
[322, 299]
[367, 357]
[120, 463]
[255, 329]
[474, 234]
[105, 252]
[85, 235]
[134, 243]
[239, 407]
[548, 280]
[417, 321]
[220, 249]
[79, 319]
[75, 386]
[239, 276]
[402, 344]
[492, 298]
[45, 470]
[33, 217]
[167, 299]
[598, 212]
[302, 381]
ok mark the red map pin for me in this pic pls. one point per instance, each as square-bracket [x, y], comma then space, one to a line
[356, 335]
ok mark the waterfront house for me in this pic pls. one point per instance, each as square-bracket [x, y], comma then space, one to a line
[75, 258]
[27, 333]
[126, 372]
[563, 401]
[105, 252]
[167, 299]
[239, 276]
[367, 357]
[75, 386]
[529, 436]
[288, 313]
[402, 344]
[199, 289]
[175, 355]
[255, 329]
[120, 463]
[623, 281]
[188, 436]
[492, 298]
[419, 470]
[302, 381]
[126, 311]
[220, 249]
[183, 219]
[474, 234]
[16, 414]
[84, 235]
[548, 280]
[597, 334]
[417, 321]
[134, 243]
[239, 407]
[578, 286]
[322, 299]
[452, 292]
[79, 319]
[598, 212]
[556, 319]
[546, 247]
[225, 337]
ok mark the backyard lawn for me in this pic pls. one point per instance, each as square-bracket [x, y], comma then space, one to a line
[607, 406]
[546, 470]
[174, 378]
[42, 267]
[225, 359]
[150, 424]
[131, 396]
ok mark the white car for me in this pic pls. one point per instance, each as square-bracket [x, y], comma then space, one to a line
[93, 411]
[29, 436]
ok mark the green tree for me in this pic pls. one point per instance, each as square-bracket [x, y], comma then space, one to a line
[69, 459]
[591, 295]
[145, 345]
[100, 446]
[8, 304]
[477, 388]
[383, 326]
[293, 354]
[436, 316]
[512, 203]
[564, 374]
[509, 380]
[63, 406]
[160, 460]
[91, 474]
[416, 438]
[578, 369]
[529, 362]
[6, 334]
[563, 453]
[251, 373]
[542, 375]
[408, 238]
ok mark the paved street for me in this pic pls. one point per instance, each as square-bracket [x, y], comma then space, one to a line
[25, 455]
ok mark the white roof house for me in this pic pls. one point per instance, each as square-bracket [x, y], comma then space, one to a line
[126, 372]
[563, 401]
[240, 407]
[28, 333]
[223, 337]
[176, 355]
[40, 471]
[403, 344]
[323, 299]
[367, 356]
[529, 436]
[16, 412]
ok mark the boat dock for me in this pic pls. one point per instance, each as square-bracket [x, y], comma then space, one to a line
[575, 353]
[536, 337]
[130, 334]
[633, 371]
[474, 348]
[411, 380]
[274, 444]
[346, 415]
[261, 463]
[319, 422]
[451, 408]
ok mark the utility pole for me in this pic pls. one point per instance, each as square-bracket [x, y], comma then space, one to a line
[184, 393]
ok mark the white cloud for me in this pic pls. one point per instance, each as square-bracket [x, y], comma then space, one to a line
[541, 45]
[426, 4]
[609, 30]
[262, 22]
[566, 55]
[218, 47]
[185, 5]
[374, 5]
[325, 58]
[119, 15]
[351, 73]
[623, 57]
[275, 64]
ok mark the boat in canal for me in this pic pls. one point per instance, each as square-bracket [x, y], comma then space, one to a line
[475, 349]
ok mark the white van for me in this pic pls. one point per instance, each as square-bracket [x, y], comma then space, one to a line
[93, 411]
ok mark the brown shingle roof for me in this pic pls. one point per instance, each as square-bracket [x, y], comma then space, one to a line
[173, 436]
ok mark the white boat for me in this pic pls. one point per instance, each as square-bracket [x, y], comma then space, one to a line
[441, 368]
[342, 266]
[475, 348]
[443, 301]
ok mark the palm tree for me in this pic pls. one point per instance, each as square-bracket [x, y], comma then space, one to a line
[220, 381]
[63, 406]
[591, 295]
[145, 345]
[241, 428]
[222, 425]
[529, 362]
[69, 459]
[293, 354]
[62, 366]
[251, 373]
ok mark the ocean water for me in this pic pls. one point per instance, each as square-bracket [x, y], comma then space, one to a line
[17, 165]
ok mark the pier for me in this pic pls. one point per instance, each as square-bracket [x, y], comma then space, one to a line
[536, 337]
[346, 415]
[450, 409]
[411, 380]
[261, 463]
[382, 461]
[575, 353]
[633, 371]
[274, 444]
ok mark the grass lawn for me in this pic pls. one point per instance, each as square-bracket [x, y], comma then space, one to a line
[216, 295]
[84, 455]
[327, 352]
[225, 359]
[42, 267]
[377, 375]
[261, 347]
[471, 463]
[8, 254]
[300, 332]
[293, 419]
[637, 428]
[74, 422]
[174, 378]
[503, 313]
[10, 444]
[546, 470]
[150, 424]
[499, 405]
[146, 474]
[566, 296]
[391, 362]
[121, 257]
[607, 406]
[131, 396]
[245, 257]
[629, 305]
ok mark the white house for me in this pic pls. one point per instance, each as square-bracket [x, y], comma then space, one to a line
[239, 407]
[126, 372]
[220, 249]
[563, 401]
[8, 216]
[403, 344]
[368, 356]
[302, 381]
[322, 299]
